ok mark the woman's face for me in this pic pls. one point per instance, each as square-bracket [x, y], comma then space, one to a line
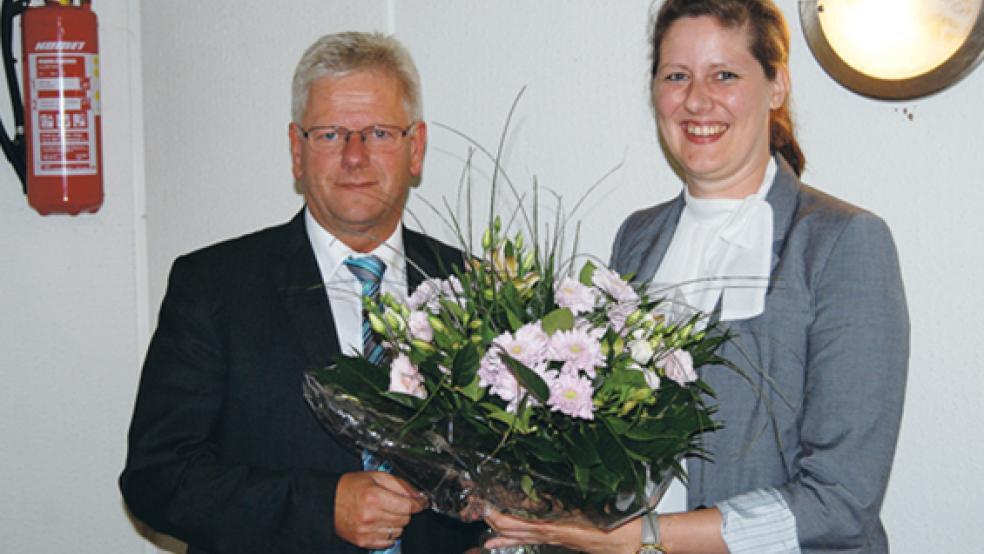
[712, 102]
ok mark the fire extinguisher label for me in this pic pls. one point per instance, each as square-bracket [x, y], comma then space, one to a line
[64, 105]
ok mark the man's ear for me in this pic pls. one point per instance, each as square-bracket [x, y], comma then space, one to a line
[418, 144]
[296, 150]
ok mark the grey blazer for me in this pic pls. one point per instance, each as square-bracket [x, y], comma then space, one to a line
[817, 415]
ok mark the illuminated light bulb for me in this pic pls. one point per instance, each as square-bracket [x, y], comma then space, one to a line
[897, 39]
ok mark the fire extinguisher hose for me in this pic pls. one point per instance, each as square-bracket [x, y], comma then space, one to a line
[13, 148]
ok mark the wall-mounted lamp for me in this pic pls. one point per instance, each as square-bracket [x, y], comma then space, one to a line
[895, 49]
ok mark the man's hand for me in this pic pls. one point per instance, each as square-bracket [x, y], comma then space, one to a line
[372, 508]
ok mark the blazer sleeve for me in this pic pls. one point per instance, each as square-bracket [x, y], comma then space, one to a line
[174, 480]
[856, 365]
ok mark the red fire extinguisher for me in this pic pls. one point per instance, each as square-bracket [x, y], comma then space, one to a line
[57, 149]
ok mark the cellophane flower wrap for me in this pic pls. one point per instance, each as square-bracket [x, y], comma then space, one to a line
[545, 393]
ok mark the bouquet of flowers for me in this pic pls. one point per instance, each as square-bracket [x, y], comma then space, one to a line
[519, 383]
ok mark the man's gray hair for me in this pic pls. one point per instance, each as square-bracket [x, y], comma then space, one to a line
[340, 54]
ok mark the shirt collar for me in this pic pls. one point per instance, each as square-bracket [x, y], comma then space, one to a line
[332, 252]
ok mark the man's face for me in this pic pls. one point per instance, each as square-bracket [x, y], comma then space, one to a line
[356, 195]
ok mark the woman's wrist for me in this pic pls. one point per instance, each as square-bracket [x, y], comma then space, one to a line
[624, 539]
[650, 537]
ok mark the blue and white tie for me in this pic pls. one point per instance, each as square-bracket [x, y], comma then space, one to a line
[369, 271]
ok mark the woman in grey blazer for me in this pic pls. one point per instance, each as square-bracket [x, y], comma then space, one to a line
[810, 424]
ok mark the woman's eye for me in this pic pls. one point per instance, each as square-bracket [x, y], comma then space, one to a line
[676, 76]
[727, 75]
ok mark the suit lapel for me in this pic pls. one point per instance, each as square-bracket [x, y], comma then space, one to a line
[783, 198]
[301, 291]
[662, 233]
[423, 259]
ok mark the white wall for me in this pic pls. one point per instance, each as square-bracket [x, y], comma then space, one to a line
[72, 302]
[215, 96]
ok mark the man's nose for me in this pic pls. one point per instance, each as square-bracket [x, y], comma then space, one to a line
[355, 153]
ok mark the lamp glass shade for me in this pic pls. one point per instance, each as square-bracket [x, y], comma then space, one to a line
[895, 49]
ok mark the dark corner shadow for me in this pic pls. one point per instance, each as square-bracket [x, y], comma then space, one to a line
[165, 543]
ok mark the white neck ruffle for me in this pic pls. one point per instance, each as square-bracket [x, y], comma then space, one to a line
[722, 250]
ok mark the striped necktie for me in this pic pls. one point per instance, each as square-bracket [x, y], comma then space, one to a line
[369, 271]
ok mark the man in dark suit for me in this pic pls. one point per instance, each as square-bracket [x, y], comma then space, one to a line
[223, 451]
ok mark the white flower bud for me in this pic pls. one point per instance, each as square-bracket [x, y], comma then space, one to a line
[641, 351]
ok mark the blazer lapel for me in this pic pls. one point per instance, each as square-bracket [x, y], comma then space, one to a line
[662, 233]
[424, 260]
[301, 290]
[783, 197]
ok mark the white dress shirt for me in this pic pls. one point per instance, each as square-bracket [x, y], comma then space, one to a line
[343, 288]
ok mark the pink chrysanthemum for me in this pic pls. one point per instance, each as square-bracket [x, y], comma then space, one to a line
[571, 394]
[494, 374]
[582, 324]
[574, 296]
[527, 346]
[610, 282]
[577, 349]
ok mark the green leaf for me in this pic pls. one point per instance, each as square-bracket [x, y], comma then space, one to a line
[587, 273]
[560, 319]
[583, 477]
[417, 424]
[403, 399]
[612, 453]
[443, 341]
[582, 447]
[499, 414]
[619, 426]
[649, 430]
[526, 483]
[523, 414]
[542, 448]
[510, 296]
[528, 379]
[472, 390]
[607, 479]
[514, 322]
[354, 376]
[465, 365]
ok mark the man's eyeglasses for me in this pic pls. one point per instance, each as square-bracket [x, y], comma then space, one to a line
[332, 139]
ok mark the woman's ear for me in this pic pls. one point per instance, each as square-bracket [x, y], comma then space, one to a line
[779, 88]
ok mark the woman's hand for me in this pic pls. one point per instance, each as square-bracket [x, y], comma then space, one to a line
[696, 532]
[513, 531]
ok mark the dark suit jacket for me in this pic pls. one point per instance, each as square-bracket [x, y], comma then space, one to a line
[817, 414]
[224, 453]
